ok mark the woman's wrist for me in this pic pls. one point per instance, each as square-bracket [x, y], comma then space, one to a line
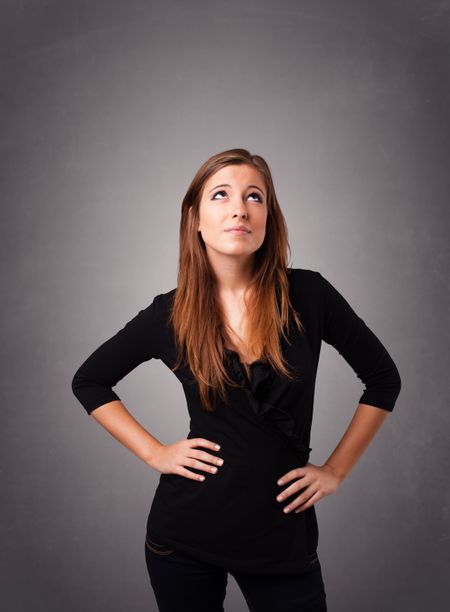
[339, 474]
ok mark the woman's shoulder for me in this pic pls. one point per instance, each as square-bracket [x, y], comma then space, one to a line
[305, 279]
[157, 307]
[162, 302]
[306, 286]
[166, 298]
[305, 276]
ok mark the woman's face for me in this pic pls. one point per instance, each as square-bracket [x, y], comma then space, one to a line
[234, 195]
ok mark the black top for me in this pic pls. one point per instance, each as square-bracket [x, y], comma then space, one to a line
[232, 518]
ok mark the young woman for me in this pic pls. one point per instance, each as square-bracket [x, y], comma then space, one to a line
[242, 332]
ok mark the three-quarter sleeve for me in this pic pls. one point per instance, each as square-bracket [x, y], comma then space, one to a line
[138, 341]
[360, 347]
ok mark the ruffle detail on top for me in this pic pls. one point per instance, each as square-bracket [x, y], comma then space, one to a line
[255, 389]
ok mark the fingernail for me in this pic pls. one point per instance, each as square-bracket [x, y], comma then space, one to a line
[217, 446]
[280, 481]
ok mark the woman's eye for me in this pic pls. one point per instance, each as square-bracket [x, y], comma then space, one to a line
[254, 193]
[217, 193]
[257, 195]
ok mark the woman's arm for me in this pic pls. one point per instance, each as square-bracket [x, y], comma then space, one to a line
[172, 458]
[365, 423]
[317, 481]
[115, 418]
[348, 333]
[139, 340]
[344, 329]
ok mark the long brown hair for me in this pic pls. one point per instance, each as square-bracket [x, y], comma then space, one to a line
[197, 316]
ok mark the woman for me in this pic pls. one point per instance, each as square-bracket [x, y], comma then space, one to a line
[242, 332]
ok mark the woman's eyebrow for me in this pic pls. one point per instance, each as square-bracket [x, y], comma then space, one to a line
[226, 185]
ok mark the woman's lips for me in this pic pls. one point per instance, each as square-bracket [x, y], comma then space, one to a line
[237, 231]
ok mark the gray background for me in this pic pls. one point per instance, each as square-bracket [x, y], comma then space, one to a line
[108, 109]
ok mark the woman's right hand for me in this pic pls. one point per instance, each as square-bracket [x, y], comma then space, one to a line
[172, 458]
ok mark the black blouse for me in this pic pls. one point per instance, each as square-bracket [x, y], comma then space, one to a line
[232, 518]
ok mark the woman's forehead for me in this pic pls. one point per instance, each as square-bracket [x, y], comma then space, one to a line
[235, 174]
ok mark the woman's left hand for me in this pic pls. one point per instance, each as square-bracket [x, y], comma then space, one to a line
[316, 482]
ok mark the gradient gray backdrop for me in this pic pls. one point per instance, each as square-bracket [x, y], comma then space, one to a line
[108, 109]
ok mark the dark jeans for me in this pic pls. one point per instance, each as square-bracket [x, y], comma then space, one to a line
[182, 583]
